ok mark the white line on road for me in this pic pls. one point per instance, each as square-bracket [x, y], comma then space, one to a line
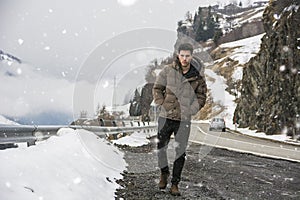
[247, 151]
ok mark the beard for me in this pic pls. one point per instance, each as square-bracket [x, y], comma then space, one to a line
[184, 64]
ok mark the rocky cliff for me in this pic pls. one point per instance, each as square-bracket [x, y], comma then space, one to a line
[270, 96]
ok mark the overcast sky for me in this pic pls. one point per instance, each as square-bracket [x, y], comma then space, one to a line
[93, 40]
[59, 35]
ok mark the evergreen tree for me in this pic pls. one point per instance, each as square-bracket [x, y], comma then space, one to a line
[206, 26]
[150, 75]
[101, 111]
[135, 104]
[217, 36]
[197, 19]
[195, 22]
[98, 110]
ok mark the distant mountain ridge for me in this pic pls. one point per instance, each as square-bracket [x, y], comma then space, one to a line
[8, 57]
[9, 64]
[29, 95]
[5, 121]
[228, 24]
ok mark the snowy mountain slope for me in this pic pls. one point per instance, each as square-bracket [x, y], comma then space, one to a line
[8, 57]
[7, 66]
[242, 25]
[224, 76]
[242, 50]
[4, 120]
[228, 23]
[237, 24]
[27, 92]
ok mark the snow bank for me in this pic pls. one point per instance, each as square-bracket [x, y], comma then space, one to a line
[75, 165]
[247, 48]
[136, 139]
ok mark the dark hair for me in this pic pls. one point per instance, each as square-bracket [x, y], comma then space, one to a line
[186, 47]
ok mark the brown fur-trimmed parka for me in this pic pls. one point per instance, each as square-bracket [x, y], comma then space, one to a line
[179, 96]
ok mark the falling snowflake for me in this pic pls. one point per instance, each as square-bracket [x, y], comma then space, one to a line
[77, 180]
[105, 85]
[127, 2]
[285, 48]
[47, 48]
[20, 41]
[64, 31]
[282, 68]
[294, 70]
[19, 71]
[8, 184]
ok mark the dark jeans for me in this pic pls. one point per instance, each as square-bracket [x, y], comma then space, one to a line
[181, 130]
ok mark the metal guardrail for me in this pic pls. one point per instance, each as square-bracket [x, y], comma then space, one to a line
[31, 134]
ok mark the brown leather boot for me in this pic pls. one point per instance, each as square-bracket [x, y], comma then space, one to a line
[174, 190]
[163, 180]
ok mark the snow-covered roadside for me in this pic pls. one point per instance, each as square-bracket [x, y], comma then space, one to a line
[136, 139]
[280, 138]
[245, 49]
[75, 165]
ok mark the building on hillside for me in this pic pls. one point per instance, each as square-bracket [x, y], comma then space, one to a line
[231, 9]
[260, 3]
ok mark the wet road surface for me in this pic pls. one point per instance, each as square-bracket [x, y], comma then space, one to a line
[217, 174]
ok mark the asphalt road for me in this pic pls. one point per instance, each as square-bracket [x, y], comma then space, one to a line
[244, 143]
[215, 173]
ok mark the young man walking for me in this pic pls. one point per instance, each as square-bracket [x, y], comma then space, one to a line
[180, 91]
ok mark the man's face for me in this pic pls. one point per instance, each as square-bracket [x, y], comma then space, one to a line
[185, 57]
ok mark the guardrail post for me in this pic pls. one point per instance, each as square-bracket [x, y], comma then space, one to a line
[30, 143]
[101, 121]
